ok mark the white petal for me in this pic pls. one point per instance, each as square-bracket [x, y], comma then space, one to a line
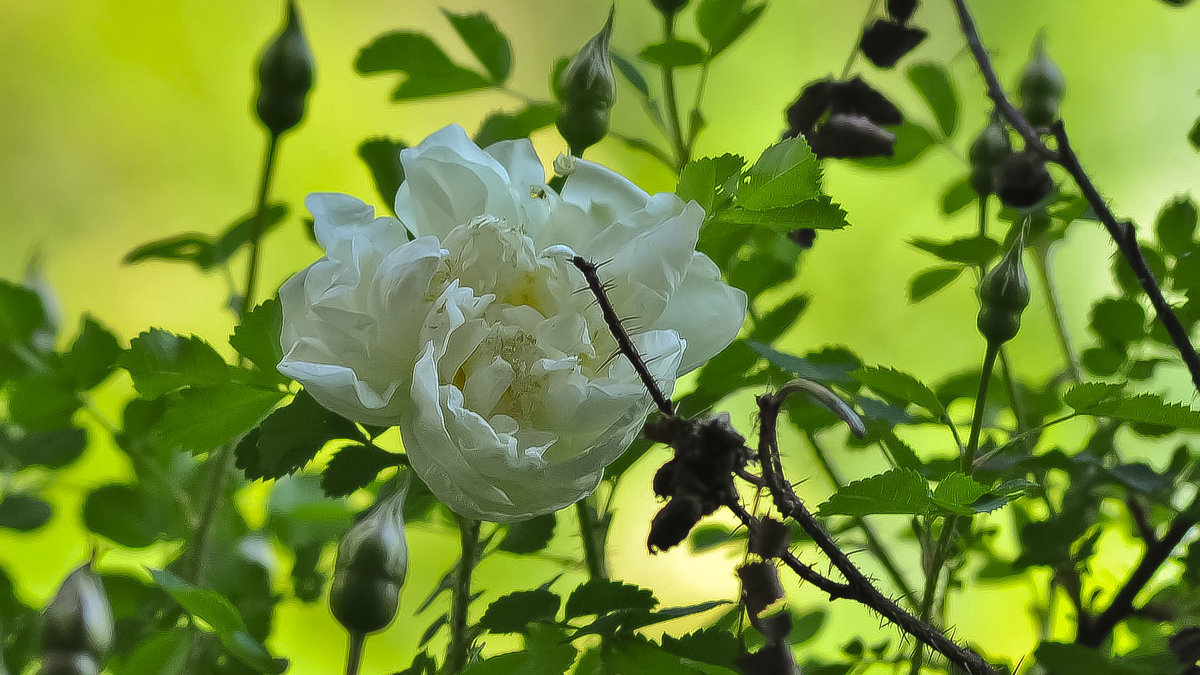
[338, 217]
[705, 311]
[520, 161]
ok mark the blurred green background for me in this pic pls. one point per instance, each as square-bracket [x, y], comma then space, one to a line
[128, 120]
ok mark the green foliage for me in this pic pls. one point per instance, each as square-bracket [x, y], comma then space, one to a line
[722, 22]
[354, 466]
[23, 512]
[602, 596]
[290, 437]
[382, 157]
[673, 54]
[933, 82]
[512, 612]
[223, 619]
[204, 251]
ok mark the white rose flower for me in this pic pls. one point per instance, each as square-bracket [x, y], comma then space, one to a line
[472, 338]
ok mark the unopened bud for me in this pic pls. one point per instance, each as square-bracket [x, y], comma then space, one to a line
[669, 8]
[1041, 88]
[587, 90]
[372, 561]
[285, 76]
[1003, 295]
[78, 619]
[991, 147]
[1022, 181]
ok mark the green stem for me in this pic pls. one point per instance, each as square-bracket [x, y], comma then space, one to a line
[260, 206]
[874, 543]
[693, 127]
[941, 549]
[461, 635]
[854, 50]
[1042, 261]
[593, 530]
[672, 99]
[355, 653]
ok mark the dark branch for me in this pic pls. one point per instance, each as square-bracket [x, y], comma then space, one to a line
[859, 587]
[620, 335]
[1094, 632]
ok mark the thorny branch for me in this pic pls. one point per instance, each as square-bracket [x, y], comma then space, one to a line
[1093, 632]
[857, 586]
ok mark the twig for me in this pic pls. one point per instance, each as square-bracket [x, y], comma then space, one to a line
[858, 586]
[1093, 633]
[461, 635]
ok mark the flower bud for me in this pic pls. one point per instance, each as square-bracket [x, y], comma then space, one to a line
[1041, 87]
[372, 562]
[1003, 295]
[587, 90]
[991, 147]
[285, 76]
[1022, 181]
[79, 618]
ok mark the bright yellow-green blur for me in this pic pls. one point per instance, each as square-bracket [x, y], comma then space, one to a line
[127, 120]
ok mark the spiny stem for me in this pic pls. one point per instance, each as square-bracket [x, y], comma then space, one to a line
[460, 631]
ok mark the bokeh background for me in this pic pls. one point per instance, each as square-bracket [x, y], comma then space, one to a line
[123, 121]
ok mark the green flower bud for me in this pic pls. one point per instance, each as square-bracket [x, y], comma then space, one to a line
[79, 618]
[1041, 88]
[991, 147]
[372, 562]
[1022, 181]
[285, 76]
[69, 663]
[587, 90]
[1003, 295]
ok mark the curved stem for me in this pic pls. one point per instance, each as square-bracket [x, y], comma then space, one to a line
[854, 50]
[593, 530]
[460, 631]
[355, 653]
[1041, 260]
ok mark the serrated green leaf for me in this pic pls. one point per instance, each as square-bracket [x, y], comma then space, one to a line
[933, 83]
[427, 69]
[224, 619]
[932, 280]
[290, 437]
[821, 213]
[673, 53]
[92, 356]
[901, 491]
[602, 596]
[710, 181]
[1087, 394]
[529, 536]
[957, 492]
[160, 362]
[708, 645]
[382, 157]
[775, 322]
[786, 174]
[1059, 657]
[24, 512]
[485, 41]
[355, 466]
[1146, 409]
[544, 652]
[204, 251]
[802, 367]
[973, 251]
[200, 419]
[512, 612]
[895, 384]
[241, 232]
[958, 196]
[633, 619]
[722, 22]
[257, 337]
[42, 402]
[1176, 226]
